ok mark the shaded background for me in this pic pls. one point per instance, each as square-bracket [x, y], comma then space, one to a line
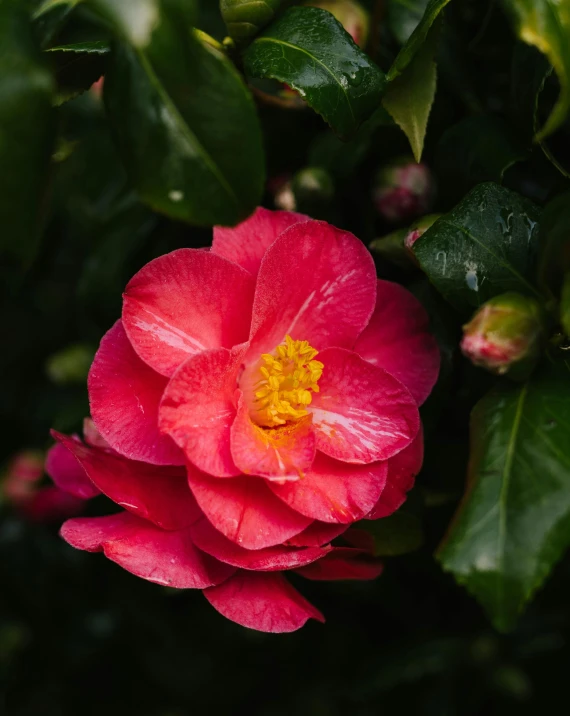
[80, 636]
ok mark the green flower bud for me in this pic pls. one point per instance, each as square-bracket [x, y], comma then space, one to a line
[505, 335]
[351, 15]
[244, 18]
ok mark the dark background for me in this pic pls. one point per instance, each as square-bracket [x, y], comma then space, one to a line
[79, 636]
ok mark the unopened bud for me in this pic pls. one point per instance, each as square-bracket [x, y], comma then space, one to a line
[244, 18]
[505, 335]
[419, 228]
[351, 15]
[403, 190]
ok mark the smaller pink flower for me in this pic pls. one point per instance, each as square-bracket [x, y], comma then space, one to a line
[403, 190]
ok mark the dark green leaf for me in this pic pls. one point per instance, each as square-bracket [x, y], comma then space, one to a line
[245, 18]
[409, 96]
[417, 39]
[545, 24]
[309, 50]
[183, 119]
[554, 258]
[487, 245]
[475, 150]
[50, 17]
[26, 132]
[514, 522]
[404, 16]
[77, 66]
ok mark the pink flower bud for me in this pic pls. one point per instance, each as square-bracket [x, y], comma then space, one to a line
[505, 335]
[403, 190]
[419, 228]
[351, 15]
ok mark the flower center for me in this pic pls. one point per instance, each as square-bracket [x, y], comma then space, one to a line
[289, 377]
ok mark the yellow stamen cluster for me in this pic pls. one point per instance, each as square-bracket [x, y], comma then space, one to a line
[290, 375]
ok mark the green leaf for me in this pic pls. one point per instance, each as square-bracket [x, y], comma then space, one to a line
[404, 16]
[485, 246]
[545, 24]
[245, 18]
[514, 522]
[26, 133]
[184, 122]
[409, 97]
[50, 17]
[554, 255]
[77, 66]
[417, 39]
[476, 149]
[309, 50]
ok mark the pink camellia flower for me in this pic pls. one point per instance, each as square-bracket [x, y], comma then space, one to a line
[252, 403]
[403, 190]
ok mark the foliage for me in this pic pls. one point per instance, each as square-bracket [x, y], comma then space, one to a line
[206, 111]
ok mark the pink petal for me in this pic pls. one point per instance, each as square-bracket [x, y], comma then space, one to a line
[398, 340]
[277, 453]
[158, 494]
[333, 491]
[316, 534]
[197, 409]
[68, 474]
[124, 394]
[50, 504]
[343, 563]
[247, 243]
[270, 559]
[262, 601]
[361, 414]
[316, 283]
[167, 558]
[186, 302]
[245, 510]
[402, 470]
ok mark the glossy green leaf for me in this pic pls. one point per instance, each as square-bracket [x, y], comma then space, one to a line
[245, 18]
[309, 50]
[50, 17]
[77, 66]
[476, 149]
[417, 39]
[403, 16]
[409, 97]
[545, 24]
[26, 133]
[514, 522]
[485, 246]
[184, 122]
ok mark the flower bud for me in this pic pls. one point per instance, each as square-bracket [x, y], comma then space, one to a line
[70, 365]
[313, 191]
[403, 190]
[244, 18]
[351, 15]
[419, 228]
[504, 336]
[25, 470]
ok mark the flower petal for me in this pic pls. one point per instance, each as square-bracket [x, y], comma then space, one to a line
[398, 340]
[50, 504]
[279, 453]
[262, 601]
[343, 563]
[362, 413]
[245, 510]
[246, 243]
[167, 558]
[270, 559]
[124, 394]
[316, 283]
[197, 410]
[68, 474]
[332, 491]
[402, 470]
[316, 534]
[158, 494]
[186, 302]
